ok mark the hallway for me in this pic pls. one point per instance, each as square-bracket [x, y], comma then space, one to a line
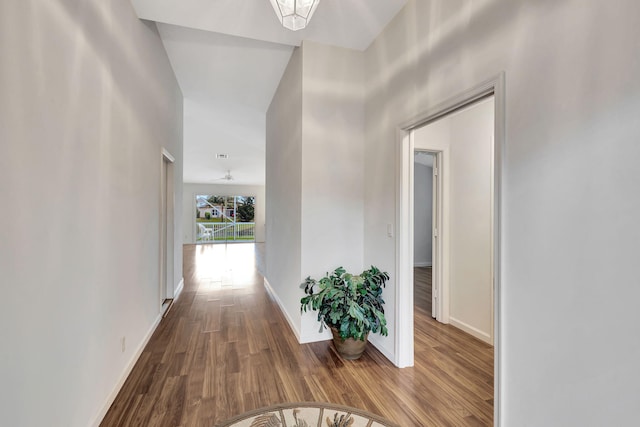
[225, 348]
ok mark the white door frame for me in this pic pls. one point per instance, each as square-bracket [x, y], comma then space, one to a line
[167, 214]
[404, 333]
[439, 310]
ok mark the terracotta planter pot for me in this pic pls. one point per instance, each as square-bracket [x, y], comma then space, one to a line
[349, 349]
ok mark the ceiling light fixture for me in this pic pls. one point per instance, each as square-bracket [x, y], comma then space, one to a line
[294, 14]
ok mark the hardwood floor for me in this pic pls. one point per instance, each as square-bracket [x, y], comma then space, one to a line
[422, 289]
[225, 348]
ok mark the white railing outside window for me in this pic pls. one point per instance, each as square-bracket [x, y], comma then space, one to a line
[219, 232]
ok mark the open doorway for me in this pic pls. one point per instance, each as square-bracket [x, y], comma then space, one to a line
[425, 234]
[464, 298]
[492, 89]
[167, 201]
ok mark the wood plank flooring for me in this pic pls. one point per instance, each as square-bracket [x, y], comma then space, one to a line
[225, 348]
[422, 289]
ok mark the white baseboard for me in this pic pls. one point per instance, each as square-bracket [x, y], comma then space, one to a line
[373, 340]
[313, 332]
[125, 374]
[292, 325]
[178, 290]
[423, 264]
[471, 330]
[308, 339]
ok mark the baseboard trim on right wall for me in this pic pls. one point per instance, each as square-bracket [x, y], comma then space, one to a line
[483, 336]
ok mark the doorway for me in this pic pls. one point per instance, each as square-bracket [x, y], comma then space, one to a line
[465, 137]
[426, 251]
[404, 315]
[167, 201]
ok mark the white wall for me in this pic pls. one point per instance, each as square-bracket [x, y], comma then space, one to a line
[423, 215]
[326, 183]
[88, 100]
[436, 137]
[190, 191]
[332, 170]
[569, 312]
[284, 190]
[467, 230]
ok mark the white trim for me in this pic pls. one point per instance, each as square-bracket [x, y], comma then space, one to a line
[404, 240]
[125, 373]
[423, 264]
[404, 340]
[440, 222]
[178, 290]
[272, 292]
[498, 170]
[375, 340]
[440, 276]
[167, 226]
[481, 335]
[192, 220]
[168, 156]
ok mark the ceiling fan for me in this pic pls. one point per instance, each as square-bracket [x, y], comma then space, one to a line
[227, 177]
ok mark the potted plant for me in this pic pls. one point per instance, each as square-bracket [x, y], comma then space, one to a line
[350, 305]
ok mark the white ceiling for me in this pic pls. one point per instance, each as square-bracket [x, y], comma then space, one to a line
[229, 56]
[227, 83]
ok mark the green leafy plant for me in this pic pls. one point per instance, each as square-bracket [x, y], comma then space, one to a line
[350, 303]
[246, 209]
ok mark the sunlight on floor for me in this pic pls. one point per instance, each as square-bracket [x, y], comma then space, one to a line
[223, 265]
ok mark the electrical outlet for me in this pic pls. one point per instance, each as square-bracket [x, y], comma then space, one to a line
[123, 343]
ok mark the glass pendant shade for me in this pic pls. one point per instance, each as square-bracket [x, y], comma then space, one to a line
[294, 14]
